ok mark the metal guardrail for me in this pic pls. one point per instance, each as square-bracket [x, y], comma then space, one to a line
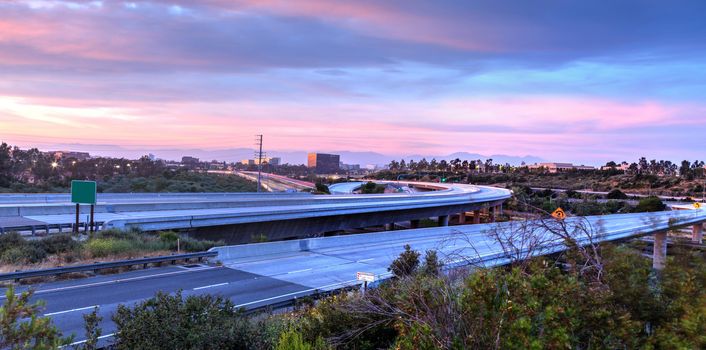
[105, 265]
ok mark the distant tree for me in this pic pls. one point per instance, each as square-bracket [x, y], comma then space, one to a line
[649, 204]
[321, 188]
[372, 188]
[616, 194]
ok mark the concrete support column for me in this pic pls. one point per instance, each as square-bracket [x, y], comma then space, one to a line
[462, 217]
[659, 252]
[476, 216]
[414, 223]
[491, 214]
[698, 233]
[444, 220]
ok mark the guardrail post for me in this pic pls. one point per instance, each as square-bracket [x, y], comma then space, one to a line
[697, 233]
[659, 251]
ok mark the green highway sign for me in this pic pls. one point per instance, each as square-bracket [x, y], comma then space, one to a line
[83, 192]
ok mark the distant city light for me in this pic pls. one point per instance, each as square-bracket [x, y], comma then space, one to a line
[54, 164]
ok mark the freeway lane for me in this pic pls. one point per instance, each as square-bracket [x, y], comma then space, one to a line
[67, 301]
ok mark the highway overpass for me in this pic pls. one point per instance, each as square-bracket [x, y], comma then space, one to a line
[266, 273]
[235, 218]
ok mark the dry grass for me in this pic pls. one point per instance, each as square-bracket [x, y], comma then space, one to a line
[58, 261]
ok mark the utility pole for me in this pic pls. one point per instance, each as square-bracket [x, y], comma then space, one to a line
[259, 156]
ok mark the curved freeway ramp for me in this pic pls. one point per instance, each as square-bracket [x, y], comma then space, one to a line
[293, 212]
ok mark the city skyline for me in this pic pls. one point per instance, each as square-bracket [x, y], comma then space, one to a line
[585, 83]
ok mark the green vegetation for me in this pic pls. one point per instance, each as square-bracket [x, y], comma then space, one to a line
[650, 204]
[21, 327]
[35, 171]
[526, 200]
[372, 188]
[321, 189]
[541, 304]
[16, 250]
[562, 302]
[642, 177]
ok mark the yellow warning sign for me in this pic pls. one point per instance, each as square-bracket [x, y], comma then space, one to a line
[559, 214]
[697, 205]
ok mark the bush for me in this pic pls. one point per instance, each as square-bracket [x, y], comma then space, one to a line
[193, 245]
[292, 340]
[616, 194]
[58, 244]
[28, 253]
[168, 236]
[102, 247]
[406, 264]
[650, 204]
[11, 240]
[321, 188]
[172, 322]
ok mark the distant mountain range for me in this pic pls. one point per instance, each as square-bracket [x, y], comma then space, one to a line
[291, 157]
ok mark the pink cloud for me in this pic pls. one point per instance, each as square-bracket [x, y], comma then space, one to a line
[514, 125]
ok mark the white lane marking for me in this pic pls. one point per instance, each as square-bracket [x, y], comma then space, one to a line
[322, 288]
[72, 310]
[364, 260]
[211, 286]
[138, 278]
[83, 341]
[297, 271]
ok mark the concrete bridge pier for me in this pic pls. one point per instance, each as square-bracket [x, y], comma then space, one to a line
[659, 251]
[462, 218]
[443, 220]
[697, 233]
[476, 216]
[491, 214]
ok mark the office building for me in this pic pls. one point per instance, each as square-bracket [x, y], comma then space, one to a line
[323, 163]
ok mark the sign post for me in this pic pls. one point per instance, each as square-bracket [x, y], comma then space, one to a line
[365, 277]
[83, 192]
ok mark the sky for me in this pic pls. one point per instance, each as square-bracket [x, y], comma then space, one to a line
[581, 81]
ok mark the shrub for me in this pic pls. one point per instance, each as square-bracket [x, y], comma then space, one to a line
[58, 244]
[292, 340]
[173, 322]
[28, 253]
[616, 194]
[168, 236]
[406, 264]
[11, 240]
[650, 204]
[193, 245]
[101, 247]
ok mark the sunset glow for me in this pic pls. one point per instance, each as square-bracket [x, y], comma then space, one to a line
[394, 77]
